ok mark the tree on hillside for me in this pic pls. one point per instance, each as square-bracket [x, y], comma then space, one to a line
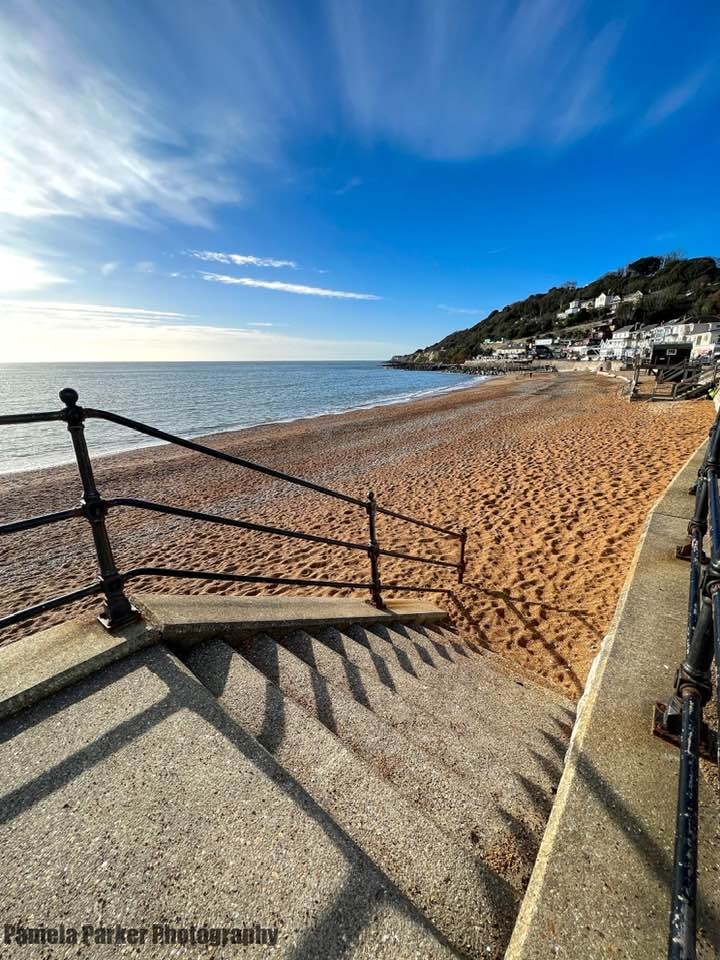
[625, 312]
[671, 287]
[672, 257]
[645, 266]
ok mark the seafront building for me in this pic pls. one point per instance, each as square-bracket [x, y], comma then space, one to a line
[702, 335]
[606, 340]
[633, 340]
[609, 342]
[625, 342]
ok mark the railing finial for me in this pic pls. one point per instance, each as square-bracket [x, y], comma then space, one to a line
[69, 396]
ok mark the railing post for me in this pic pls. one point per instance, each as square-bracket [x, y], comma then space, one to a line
[462, 564]
[683, 910]
[118, 609]
[374, 552]
[683, 714]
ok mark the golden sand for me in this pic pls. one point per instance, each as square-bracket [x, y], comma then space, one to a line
[552, 475]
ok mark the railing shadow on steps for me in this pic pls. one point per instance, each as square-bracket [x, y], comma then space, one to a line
[118, 610]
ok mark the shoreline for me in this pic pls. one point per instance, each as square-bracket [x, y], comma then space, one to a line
[552, 476]
[474, 380]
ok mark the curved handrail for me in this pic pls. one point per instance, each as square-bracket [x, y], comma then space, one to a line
[94, 508]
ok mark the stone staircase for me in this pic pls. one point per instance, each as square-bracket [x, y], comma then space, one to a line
[438, 760]
[356, 783]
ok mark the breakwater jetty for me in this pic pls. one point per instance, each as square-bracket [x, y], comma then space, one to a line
[474, 368]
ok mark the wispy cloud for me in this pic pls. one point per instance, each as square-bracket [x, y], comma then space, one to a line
[241, 260]
[96, 123]
[289, 287]
[53, 330]
[468, 310]
[19, 273]
[677, 97]
[99, 124]
[349, 185]
[110, 267]
[79, 140]
[58, 309]
[477, 78]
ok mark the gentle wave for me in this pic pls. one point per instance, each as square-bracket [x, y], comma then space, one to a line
[189, 400]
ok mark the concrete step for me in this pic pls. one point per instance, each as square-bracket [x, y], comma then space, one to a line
[493, 814]
[514, 777]
[465, 899]
[437, 637]
[519, 772]
[439, 647]
[404, 695]
[135, 799]
[487, 707]
[428, 654]
[481, 719]
[370, 687]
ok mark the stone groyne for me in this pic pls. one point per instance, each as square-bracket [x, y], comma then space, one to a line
[476, 368]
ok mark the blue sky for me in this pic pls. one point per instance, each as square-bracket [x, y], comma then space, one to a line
[277, 180]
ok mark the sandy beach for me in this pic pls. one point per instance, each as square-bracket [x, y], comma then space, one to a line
[552, 475]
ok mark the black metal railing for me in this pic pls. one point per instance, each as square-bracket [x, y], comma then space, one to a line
[94, 508]
[682, 720]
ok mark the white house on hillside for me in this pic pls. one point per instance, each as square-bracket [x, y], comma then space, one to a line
[704, 340]
[602, 302]
[635, 297]
[576, 306]
[605, 300]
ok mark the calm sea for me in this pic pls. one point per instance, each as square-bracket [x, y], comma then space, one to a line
[191, 399]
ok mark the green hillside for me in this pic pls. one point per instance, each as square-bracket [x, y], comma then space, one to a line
[671, 286]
